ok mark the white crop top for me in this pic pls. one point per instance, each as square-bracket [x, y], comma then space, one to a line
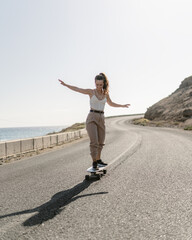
[97, 104]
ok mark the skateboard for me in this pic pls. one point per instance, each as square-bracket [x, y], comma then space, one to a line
[95, 174]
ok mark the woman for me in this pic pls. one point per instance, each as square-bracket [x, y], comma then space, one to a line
[95, 123]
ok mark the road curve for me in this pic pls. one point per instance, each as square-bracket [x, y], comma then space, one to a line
[146, 194]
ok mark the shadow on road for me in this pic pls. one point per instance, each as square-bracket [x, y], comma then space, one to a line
[55, 206]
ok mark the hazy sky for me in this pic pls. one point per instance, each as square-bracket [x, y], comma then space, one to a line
[144, 47]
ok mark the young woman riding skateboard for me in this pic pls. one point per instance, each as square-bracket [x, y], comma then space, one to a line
[95, 122]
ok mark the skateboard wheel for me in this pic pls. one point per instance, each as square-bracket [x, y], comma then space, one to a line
[98, 177]
[87, 177]
[105, 171]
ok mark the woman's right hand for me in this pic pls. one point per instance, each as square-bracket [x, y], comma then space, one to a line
[62, 82]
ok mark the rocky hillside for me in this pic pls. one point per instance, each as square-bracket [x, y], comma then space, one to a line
[176, 107]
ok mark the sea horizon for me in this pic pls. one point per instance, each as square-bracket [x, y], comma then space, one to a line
[15, 133]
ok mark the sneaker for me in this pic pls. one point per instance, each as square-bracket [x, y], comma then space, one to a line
[95, 166]
[101, 163]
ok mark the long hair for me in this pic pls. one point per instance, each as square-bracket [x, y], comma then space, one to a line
[103, 77]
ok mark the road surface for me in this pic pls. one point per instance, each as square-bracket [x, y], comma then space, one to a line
[146, 194]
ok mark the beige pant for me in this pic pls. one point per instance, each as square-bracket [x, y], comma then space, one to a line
[95, 125]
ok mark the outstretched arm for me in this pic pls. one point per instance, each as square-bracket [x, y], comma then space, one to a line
[112, 104]
[76, 89]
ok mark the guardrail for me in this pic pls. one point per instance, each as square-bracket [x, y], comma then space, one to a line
[16, 148]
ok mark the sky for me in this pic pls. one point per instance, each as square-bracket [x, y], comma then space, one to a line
[143, 46]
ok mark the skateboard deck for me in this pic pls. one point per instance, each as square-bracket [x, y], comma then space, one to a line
[95, 174]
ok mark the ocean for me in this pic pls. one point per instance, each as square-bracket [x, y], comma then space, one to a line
[7, 134]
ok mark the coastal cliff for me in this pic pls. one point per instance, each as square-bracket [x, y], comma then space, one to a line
[177, 107]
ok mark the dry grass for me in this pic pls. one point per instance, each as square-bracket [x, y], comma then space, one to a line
[146, 122]
[141, 121]
[189, 128]
[74, 127]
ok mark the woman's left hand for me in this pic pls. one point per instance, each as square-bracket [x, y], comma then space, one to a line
[126, 105]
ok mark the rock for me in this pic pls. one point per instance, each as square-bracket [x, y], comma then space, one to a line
[187, 113]
[186, 82]
[176, 107]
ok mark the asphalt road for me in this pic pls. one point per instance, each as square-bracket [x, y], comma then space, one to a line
[146, 193]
